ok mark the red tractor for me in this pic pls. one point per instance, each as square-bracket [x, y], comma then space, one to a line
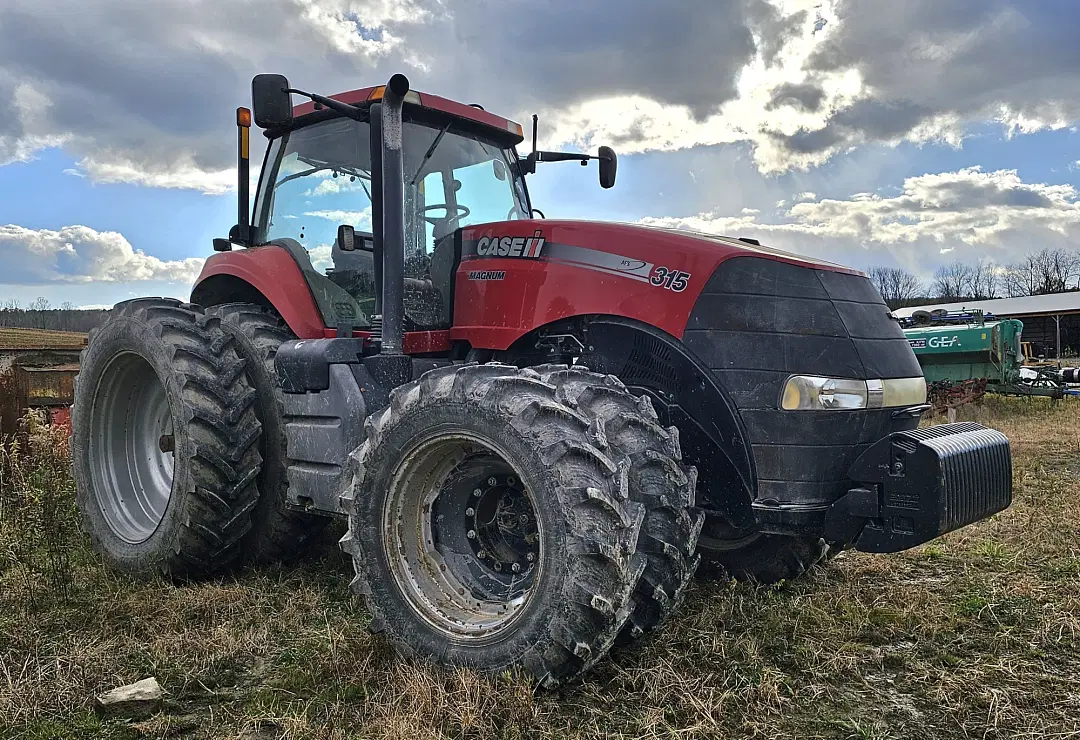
[536, 429]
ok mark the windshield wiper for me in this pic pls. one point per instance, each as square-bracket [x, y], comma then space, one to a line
[428, 153]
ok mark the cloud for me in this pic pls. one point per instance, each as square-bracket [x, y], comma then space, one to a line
[928, 69]
[359, 219]
[968, 214]
[79, 254]
[144, 92]
[180, 173]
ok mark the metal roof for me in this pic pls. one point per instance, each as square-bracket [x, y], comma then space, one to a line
[1057, 304]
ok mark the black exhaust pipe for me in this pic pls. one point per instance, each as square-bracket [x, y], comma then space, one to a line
[1070, 375]
[393, 246]
[375, 147]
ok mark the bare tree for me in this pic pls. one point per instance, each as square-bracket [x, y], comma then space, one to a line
[954, 282]
[985, 281]
[11, 304]
[41, 303]
[897, 286]
[1020, 278]
[1043, 272]
[67, 306]
[1058, 270]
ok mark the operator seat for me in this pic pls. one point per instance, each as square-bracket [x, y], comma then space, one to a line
[440, 270]
[326, 292]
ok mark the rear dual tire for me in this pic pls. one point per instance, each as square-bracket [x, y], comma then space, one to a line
[165, 441]
[277, 531]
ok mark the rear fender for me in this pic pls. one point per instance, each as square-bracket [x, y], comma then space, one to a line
[267, 275]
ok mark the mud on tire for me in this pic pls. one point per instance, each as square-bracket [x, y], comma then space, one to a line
[574, 597]
[165, 441]
[276, 532]
[657, 479]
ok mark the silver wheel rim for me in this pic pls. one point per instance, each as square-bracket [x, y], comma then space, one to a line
[445, 567]
[130, 462]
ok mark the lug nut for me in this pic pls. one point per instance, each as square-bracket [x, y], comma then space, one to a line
[471, 534]
[524, 518]
[482, 554]
[492, 481]
[477, 492]
[516, 567]
[530, 557]
[470, 511]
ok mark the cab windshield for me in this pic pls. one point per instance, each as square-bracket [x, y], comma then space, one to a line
[319, 177]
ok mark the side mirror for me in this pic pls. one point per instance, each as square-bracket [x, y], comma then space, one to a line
[609, 167]
[346, 238]
[272, 104]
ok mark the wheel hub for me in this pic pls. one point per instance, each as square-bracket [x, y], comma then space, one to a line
[501, 526]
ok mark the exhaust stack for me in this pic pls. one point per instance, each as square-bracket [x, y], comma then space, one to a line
[393, 221]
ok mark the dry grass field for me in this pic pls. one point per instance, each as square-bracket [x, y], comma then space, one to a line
[40, 339]
[976, 635]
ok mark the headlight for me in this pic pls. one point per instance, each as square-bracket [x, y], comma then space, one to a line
[815, 393]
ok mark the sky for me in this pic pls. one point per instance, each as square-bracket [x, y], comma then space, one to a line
[907, 134]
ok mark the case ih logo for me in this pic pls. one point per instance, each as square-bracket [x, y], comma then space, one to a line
[511, 246]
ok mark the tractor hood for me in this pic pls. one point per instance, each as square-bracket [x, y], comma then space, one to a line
[517, 275]
[637, 243]
[748, 246]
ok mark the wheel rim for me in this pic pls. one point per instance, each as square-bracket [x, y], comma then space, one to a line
[464, 540]
[131, 461]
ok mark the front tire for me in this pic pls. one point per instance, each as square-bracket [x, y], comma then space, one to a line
[426, 541]
[165, 441]
[658, 480]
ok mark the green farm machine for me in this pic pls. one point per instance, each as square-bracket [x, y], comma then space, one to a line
[963, 355]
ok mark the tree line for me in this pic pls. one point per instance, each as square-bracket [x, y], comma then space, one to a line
[41, 314]
[1038, 273]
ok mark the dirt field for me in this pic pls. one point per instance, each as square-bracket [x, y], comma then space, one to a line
[976, 635]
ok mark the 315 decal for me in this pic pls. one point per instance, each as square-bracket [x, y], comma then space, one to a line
[671, 279]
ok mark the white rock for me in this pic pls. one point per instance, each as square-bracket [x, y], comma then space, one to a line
[139, 699]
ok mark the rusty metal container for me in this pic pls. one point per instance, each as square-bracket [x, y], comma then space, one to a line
[37, 370]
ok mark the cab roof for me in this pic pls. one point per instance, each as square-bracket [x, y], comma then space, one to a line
[368, 95]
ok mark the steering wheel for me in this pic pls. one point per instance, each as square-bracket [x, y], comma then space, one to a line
[463, 211]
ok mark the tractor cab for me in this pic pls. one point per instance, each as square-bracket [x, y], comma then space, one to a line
[315, 198]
